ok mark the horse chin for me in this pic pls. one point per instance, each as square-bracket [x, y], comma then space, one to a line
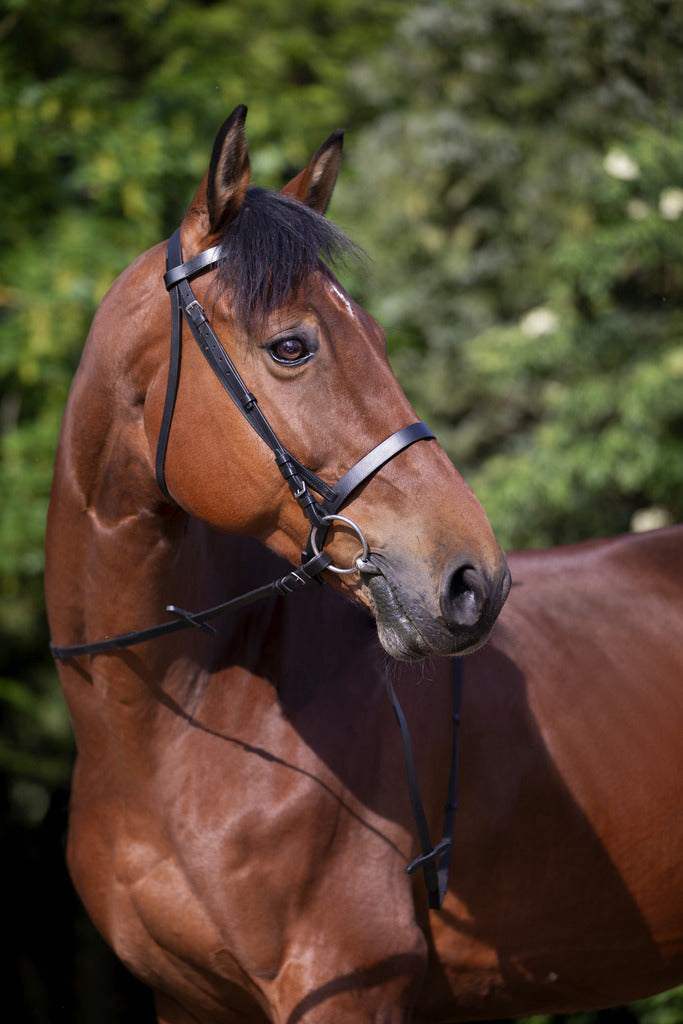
[406, 636]
[403, 643]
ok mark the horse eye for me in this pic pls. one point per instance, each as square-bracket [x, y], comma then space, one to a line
[289, 350]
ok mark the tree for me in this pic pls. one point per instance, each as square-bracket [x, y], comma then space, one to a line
[530, 272]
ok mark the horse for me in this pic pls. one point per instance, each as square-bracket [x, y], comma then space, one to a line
[241, 820]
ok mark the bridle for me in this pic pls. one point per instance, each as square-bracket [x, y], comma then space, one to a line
[321, 511]
[303, 483]
[301, 480]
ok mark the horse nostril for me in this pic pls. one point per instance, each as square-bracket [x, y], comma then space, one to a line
[464, 594]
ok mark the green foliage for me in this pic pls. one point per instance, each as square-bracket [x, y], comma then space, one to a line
[666, 1008]
[531, 269]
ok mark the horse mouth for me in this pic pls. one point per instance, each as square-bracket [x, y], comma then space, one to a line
[398, 634]
[406, 629]
[404, 636]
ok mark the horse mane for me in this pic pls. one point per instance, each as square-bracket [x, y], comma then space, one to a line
[271, 246]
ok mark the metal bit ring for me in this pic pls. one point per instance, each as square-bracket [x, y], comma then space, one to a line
[363, 557]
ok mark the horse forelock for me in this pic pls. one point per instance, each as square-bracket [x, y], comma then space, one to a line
[269, 249]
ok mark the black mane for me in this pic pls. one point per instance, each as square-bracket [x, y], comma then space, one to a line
[271, 246]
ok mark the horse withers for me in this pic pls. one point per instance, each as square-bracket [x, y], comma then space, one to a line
[239, 827]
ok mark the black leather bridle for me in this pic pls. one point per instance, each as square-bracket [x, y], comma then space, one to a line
[302, 481]
[321, 512]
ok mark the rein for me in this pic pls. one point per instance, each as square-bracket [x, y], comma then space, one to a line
[304, 485]
[435, 860]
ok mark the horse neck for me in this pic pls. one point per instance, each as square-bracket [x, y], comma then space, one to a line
[117, 553]
[113, 544]
[113, 566]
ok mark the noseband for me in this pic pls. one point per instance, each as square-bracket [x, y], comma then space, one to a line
[320, 511]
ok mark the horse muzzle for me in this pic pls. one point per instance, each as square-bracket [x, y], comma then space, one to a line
[411, 625]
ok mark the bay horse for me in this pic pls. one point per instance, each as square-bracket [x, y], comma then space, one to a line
[240, 823]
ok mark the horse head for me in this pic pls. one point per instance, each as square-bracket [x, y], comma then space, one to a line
[317, 364]
[315, 382]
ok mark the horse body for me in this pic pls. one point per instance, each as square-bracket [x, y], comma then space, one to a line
[567, 887]
[239, 825]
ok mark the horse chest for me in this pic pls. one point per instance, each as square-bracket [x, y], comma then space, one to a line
[255, 832]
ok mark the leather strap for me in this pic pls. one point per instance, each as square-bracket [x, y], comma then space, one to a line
[373, 461]
[434, 859]
[173, 378]
[452, 798]
[177, 271]
[283, 585]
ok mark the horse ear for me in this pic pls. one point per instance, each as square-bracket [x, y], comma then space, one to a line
[315, 184]
[229, 171]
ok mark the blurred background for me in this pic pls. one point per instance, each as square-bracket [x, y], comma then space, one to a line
[513, 168]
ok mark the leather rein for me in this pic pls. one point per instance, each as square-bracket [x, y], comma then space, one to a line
[320, 511]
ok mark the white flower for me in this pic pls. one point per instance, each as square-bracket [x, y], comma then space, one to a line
[619, 164]
[637, 209]
[671, 203]
[538, 322]
[651, 518]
